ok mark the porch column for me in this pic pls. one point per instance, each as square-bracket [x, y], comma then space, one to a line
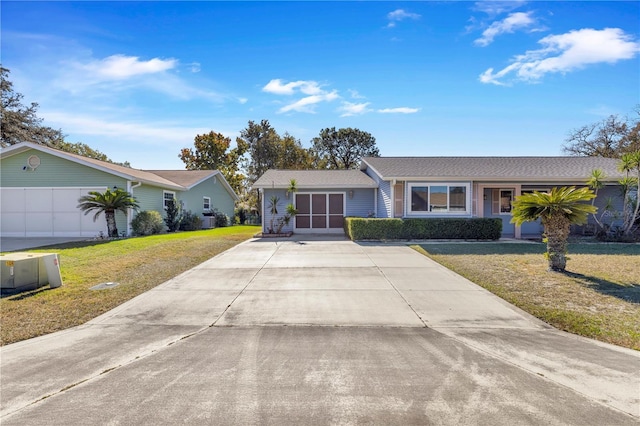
[478, 198]
[516, 193]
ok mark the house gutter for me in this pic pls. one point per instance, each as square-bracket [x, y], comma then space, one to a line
[130, 189]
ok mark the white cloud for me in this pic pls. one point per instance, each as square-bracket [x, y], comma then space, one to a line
[118, 67]
[400, 110]
[355, 94]
[348, 109]
[140, 132]
[308, 103]
[276, 86]
[91, 78]
[566, 52]
[400, 15]
[316, 94]
[510, 24]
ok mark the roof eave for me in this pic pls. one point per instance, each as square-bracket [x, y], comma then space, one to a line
[494, 179]
[25, 146]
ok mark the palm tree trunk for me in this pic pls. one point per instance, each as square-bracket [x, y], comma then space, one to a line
[112, 229]
[556, 229]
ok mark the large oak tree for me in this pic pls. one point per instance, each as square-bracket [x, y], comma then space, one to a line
[211, 151]
[343, 148]
[611, 137]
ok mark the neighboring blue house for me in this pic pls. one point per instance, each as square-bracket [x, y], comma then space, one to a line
[405, 187]
[40, 188]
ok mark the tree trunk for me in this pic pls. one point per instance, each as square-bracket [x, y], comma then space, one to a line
[112, 229]
[556, 229]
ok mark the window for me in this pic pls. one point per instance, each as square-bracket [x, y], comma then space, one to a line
[441, 198]
[502, 201]
[168, 196]
[506, 198]
[206, 203]
[419, 199]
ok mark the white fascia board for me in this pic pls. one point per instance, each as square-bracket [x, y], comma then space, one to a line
[25, 146]
[519, 179]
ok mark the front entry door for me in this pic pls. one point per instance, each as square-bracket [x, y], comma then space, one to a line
[320, 212]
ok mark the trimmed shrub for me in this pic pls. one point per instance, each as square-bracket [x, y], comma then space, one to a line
[423, 228]
[190, 221]
[222, 219]
[147, 222]
[173, 215]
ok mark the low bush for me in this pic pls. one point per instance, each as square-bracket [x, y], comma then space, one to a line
[241, 215]
[173, 215]
[222, 219]
[358, 228]
[190, 221]
[147, 222]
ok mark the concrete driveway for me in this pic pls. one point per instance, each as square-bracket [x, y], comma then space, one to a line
[24, 243]
[317, 332]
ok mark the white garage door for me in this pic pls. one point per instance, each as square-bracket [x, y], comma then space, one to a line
[46, 212]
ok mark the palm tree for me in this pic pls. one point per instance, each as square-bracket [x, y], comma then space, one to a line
[557, 209]
[108, 202]
[630, 165]
[596, 182]
[273, 209]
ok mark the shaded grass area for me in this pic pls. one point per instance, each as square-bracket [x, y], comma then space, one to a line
[598, 296]
[137, 264]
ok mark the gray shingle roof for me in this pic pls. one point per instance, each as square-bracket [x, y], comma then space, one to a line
[186, 178]
[315, 179]
[496, 168]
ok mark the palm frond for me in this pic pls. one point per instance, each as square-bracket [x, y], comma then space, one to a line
[566, 201]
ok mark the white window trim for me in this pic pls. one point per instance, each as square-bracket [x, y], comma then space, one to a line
[206, 200]
[409, 190]
[164, 198]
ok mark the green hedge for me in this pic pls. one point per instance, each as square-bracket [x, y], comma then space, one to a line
[358, 228]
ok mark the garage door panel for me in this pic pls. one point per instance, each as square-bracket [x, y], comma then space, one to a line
[12, 200]
[39, 200]
[37, 212]
[65, 222]
[39, 224]
[336, 221]
[65, 200]
[12, 224]
[89, 228]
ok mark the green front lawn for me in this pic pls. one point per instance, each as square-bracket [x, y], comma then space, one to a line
[598, 297]
[137, 264]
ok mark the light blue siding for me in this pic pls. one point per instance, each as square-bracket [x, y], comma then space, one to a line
[383, 194]
[362, 202]
[212, 188]
[384, 199]
[270, 220]
[149, 198]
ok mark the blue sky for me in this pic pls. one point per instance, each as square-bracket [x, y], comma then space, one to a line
[138, 81]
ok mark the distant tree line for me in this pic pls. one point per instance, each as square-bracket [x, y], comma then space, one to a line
[260, 148]
[612, 137]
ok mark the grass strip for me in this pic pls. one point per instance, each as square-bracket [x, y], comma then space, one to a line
[137, 264]
[598, 297]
